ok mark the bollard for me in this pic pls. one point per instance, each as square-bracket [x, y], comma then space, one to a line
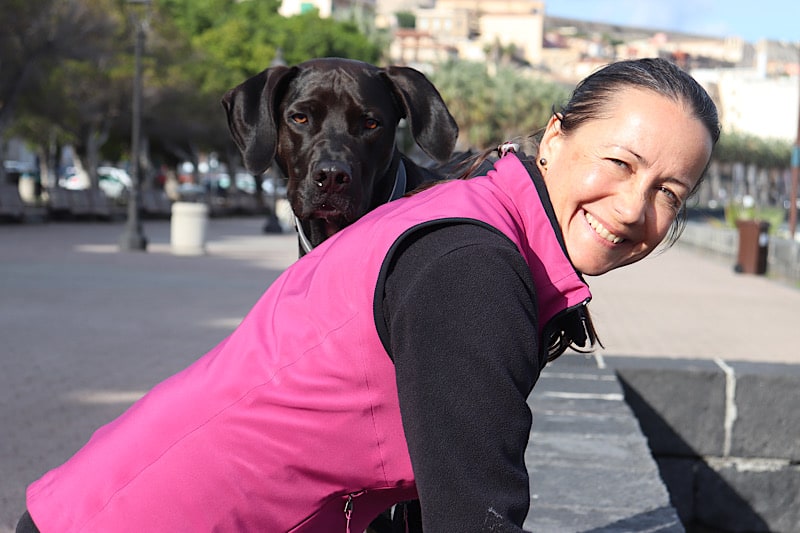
[283, 210]
[188, 228]
[27, 190]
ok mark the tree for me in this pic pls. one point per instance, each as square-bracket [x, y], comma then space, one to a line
[306, 36]
[736, 147]
[491, 109]
[74, 103]
[228, 42]
[406, 19]
[67, 69]
[37, 35]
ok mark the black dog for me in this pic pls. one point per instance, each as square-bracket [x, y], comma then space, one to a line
[330, 125]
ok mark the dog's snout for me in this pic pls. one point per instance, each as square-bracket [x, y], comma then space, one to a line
[333, 177]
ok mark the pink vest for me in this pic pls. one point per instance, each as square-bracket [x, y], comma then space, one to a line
[296, 412]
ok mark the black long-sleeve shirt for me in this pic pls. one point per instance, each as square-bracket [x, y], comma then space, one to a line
[460, 306]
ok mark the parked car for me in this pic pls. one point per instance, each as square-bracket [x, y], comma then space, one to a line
[16, 169]
[114, 182]
[246, 182]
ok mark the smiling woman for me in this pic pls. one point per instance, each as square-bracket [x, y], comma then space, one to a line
[373, 370]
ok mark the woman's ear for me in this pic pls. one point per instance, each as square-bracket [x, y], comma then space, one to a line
[551, 139]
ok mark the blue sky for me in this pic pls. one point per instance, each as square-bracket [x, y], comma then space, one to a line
[752, 20]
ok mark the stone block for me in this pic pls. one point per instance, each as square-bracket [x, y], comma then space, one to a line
[680, 404]
[748, 495]
[768, 418]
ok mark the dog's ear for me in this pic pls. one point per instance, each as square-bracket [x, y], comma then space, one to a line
[433, 127]
[251, 108]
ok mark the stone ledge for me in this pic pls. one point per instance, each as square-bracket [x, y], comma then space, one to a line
[726, 408]
[725, 435]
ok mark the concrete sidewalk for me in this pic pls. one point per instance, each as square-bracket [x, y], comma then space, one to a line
[86, 330]
[681, 304]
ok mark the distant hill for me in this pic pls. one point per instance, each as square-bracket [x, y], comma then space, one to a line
[616, 31]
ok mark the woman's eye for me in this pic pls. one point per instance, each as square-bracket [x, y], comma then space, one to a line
[299, 118]
[370, 124]
[671, 196]
[619, 163]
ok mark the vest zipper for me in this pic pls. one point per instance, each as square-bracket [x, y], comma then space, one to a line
[348, 508]
[548, 329]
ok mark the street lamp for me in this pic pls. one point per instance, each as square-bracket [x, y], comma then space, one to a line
[133, 238]
[795, 169]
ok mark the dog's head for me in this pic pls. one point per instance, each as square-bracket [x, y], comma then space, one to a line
[330, 125]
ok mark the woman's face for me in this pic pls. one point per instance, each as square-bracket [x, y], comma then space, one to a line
[617, 183]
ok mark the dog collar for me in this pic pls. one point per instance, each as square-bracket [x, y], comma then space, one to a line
[400, 181]
[304, 242]
[398, 190]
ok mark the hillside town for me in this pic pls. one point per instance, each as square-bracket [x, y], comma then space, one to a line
[742, 77]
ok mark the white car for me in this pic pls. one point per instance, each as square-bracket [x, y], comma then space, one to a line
[114, 182]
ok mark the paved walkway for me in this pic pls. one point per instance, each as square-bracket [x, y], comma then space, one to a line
[682, 304]
[87, 329]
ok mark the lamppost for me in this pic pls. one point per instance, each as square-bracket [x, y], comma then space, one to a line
[795, 170]
[134, 238]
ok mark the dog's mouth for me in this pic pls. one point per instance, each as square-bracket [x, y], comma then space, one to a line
[330, 218]
[322, 214]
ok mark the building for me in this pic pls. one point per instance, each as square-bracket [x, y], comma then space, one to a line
[359, 9]
[472, 30]
[751, 102]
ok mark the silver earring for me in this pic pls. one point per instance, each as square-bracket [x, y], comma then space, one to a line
[543, 162]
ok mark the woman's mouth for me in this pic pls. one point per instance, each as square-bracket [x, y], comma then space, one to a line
[601, 230]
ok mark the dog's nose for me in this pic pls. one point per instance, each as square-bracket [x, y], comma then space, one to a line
[333, 177]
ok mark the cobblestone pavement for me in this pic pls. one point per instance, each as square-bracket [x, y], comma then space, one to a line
[87, 329]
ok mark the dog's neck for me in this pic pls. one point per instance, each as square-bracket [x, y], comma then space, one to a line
[398, 190]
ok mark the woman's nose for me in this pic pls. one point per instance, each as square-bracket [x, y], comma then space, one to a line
[630, 204]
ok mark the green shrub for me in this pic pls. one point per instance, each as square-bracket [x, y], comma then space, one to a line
[736, 211]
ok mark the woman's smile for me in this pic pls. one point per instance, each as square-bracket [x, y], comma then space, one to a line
[601, 230]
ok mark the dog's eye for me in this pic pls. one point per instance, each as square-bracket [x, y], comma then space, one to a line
[299, 118]
[370, 123]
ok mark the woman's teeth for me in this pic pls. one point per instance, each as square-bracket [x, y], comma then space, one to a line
[602, 231]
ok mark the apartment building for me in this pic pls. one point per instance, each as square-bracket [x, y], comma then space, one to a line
[473, 29]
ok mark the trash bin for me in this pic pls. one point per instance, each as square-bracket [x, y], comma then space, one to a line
[188, 228]
[753, 246]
